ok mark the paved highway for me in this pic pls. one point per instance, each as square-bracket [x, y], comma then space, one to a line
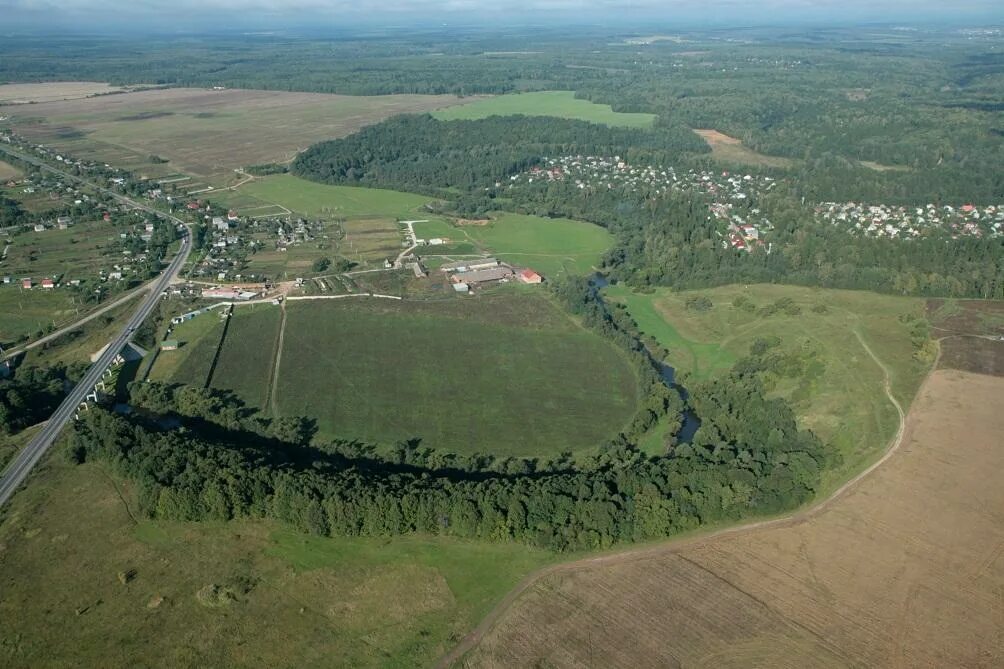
[18, 470]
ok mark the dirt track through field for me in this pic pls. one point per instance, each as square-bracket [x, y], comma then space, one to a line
[903, 566]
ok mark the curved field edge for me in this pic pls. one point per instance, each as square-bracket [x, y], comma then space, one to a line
[904, 548]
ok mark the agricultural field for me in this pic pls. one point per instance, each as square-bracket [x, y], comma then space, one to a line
[26, 312]
[552, 246]
[561, 104]
[507, 374]
[141, 588]
[245, 362]
[52, 91]
[371, 240]
[310, 198]
[198, 339]
[8, 171]
[904, 569]
[731, 150]
[970, 333]
[205, 133]
[839, 390]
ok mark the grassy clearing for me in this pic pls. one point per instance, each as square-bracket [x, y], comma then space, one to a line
[80, 344]
[8, 171]
[433, 228]
[507, 374]
[840, 396]
[25, 312]
[549, 245]
[561, 104]
[300, 601]
[731, 150]
[315, 199]
[198, 338]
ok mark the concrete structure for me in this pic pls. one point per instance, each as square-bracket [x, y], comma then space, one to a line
[474, 277]
[469, 265]
[169, 345]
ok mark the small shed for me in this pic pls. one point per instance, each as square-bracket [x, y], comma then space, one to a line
[169, 345]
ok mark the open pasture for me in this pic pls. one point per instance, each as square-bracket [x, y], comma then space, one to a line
[838, 390]
[905, 569]
[371, 240]
[299, 600]
[245, 362]
[562, 104]
[315, 199]
[25, 312]
[507, 374]
[8, 171]
[207, 133]
[551, 246]
[731, 150]
[52, 91]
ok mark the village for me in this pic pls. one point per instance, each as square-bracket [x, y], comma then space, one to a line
[733, 202]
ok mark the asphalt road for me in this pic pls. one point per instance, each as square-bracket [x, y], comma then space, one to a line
[18, 470]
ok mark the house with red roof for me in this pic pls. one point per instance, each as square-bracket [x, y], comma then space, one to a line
[529, 276]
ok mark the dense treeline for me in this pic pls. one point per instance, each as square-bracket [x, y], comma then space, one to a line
[418, 152]
[32, 395]
[747, 458]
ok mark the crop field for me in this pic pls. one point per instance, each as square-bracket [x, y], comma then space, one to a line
[905, 569]
[562, 104]
[549, 245]
[507, 374]
[971, 334]
[198, 339]
[315, 199]
[8, 171]
[52, 91]
[731, 150]
[24, 312]
[204, 132]
[300, 601]
[839, 393]
[245, 363]
[371, 239]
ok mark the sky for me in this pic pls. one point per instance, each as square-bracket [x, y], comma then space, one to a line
[185, 14]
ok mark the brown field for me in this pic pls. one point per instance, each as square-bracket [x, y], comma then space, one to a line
[20, 94]
[971, 334]
[731, 150]
[8, 171]
[906, 569]
[203, 132]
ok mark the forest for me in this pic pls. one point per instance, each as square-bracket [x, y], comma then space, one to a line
[228, 461]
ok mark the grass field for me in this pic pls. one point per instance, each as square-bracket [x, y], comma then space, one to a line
[245, 363]
[80, 344]
[73, 253]
[199, 339]
[549, 245]
[51, 91]
[840, 394]
[8, 171]
[24, 312]
[203, 132]
[507, 374]
[315, 199]
[562, 104]
[731, 150]
[309, 602]
[904, 570]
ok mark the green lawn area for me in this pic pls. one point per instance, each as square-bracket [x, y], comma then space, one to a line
[315, 199]
[506, 373]
[551, 246]
[843, 401]
[302, 601]
[24, 312]
[562, 104]
[190, 363]
[435, 227]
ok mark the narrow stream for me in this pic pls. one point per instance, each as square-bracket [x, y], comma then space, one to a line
[690, 420]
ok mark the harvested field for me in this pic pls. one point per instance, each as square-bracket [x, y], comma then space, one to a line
[971, 333]
[205, 132]
[52, 91]
[731, 150]
[905, 569]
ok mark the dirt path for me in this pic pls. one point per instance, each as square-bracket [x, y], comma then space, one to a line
[273, 385]
[475, 636]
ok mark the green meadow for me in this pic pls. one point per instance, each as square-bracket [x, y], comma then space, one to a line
[562, 104]
[839, 394]
[315, 199]
[551, 246]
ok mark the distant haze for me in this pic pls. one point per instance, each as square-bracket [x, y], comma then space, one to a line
[231, 14]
